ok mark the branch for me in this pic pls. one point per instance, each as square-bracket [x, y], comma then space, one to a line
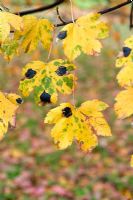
[43, 8]
[58, 15]
[102, 12]
[115, 7]
[131, 17]
[57, 2]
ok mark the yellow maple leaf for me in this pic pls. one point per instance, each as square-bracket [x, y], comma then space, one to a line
[35, 31]
[83, 36]
[126, 56]
[46, 79]
[125, 76]
[83, 124]
[8, 20]
[124, 103]
[125, 60]
[8, 106]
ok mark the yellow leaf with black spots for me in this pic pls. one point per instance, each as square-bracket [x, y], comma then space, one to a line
[83, 36]
[126, 56]
[81, 124]
[31, 77]
[47, 79]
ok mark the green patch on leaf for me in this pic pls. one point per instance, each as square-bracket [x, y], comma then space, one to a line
[59, 82]
[68, 81]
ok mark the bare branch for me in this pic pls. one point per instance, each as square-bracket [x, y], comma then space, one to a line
[57, 2]
[131, 17]
[43, 8]
[58, 14]
[102, 12]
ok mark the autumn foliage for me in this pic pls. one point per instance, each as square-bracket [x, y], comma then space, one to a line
[48, 78]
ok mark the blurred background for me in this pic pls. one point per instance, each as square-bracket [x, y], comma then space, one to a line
[31, 168]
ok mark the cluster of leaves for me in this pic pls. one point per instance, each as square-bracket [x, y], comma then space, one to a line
[27, 36]
[45, 80]
[125, 80]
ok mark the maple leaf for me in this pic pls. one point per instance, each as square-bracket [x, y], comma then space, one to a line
[46, 79]
[83, 36]
[8, 20]
[8, 106]
[125, 60]
[83, 124]
[35, 31]
[125, 76]
[126, 56]
[124, 97]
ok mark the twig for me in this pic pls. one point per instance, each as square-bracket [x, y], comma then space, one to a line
[102, 12]
[131, 17]
[72, 13]
[43, 8]
[58, 15]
